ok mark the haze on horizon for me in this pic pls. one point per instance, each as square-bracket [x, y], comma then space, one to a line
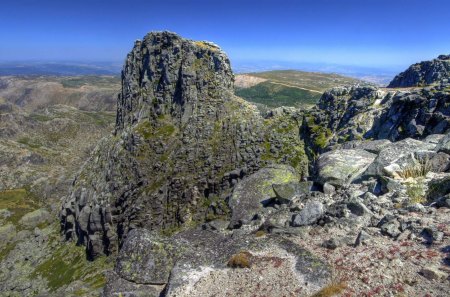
[372, 33]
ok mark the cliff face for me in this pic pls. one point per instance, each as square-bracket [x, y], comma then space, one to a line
[182, 140]
[423, 73]
[356, 113]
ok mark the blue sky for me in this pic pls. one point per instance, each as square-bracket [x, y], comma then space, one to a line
[371, 33]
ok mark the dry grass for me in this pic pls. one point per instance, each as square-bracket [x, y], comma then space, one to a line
[240, 260]
[418, 169]
[331, 290]
[260, 233]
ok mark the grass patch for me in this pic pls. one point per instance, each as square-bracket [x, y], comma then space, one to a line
[331, 290]
[29, 142]
[418, 169]
[19, 202]
[416, 193]
[274, 95]
[67, 264]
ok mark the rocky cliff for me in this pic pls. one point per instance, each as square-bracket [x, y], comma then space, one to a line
[423, 73]
[197, 194]
[182, 141]
[354, 113]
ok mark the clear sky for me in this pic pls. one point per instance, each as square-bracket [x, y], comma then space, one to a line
[380, 33]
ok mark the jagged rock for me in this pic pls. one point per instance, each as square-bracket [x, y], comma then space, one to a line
[310, 214]
[390, 226]
[145, 258]
[182, 141]
[250, 195]
[423, 73]
[346, 116]
[358, 208]
[342, 167]
[362, 238]
[389, 157]
[286, 192]
[444, 144]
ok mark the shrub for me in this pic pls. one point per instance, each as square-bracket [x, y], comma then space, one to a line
[240, 260]
[416, 193]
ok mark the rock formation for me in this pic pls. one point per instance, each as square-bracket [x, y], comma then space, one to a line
[182, 141]
[423, 73]
[197, 194]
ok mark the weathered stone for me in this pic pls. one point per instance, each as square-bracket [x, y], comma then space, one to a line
[182, 142]
[342, 167]
[433, 273]
[7, 233]
[250, 195]
[145, 258]
[362, 238]
[387, 158]
[285, 192]
[310, 214]
[390, 226]
[423, 73]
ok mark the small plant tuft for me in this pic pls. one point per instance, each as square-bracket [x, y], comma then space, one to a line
[240, 260]
[418, 169]
[260, 233]
[416, 193]
[331, 290]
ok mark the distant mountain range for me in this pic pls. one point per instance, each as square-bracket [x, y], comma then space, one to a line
[60, 68]
[71, 68]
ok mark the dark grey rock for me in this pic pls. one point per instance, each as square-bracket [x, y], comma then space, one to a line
[287, 191]
[251, 194]
[362, 238]
[432, 235]
[423, 73]
[310, 214]
[145, 258]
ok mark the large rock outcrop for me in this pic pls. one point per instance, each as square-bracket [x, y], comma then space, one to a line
[182, 141]
[347, 115]
[423, 73]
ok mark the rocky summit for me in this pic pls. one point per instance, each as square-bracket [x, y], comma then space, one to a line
[182, 141]
[197, 193]
[423, 73]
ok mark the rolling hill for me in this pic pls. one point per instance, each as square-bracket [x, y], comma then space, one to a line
[272, 89]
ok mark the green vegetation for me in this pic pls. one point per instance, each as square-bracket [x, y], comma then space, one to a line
[146, 129]
[18, 202]
[315, 81]
[275, 95]
[289, 87]
[416, 192]
[68, 263]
